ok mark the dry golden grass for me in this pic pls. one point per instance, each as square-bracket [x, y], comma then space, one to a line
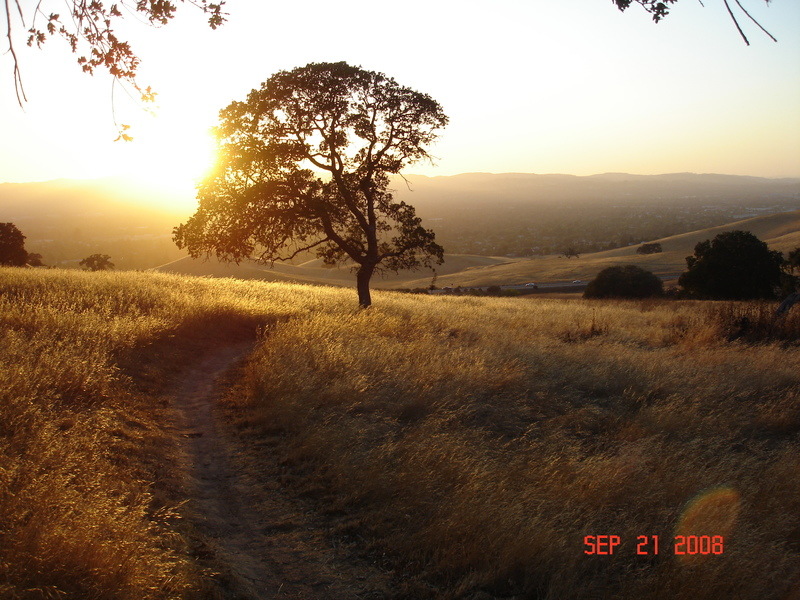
[476, 442]
[473, 442]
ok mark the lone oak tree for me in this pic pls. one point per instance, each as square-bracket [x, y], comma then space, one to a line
[304, 163]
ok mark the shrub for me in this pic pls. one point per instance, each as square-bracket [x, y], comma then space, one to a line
[624, 282]
[653, 248]
[735, 265]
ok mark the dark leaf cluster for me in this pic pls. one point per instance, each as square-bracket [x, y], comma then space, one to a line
[658, 8]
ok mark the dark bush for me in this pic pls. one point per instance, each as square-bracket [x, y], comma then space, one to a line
[624, 282]
[735, 265]
[653, 248]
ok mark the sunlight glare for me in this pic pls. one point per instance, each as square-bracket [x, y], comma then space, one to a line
[171, 156]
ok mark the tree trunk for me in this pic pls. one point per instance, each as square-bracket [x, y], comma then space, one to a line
[362, 283]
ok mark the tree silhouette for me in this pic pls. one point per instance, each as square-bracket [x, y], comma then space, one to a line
[735, 265]
[12, 246]
[97, 262]
[89, 29]
[263, 201]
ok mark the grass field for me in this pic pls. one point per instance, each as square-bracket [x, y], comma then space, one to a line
[470, 444]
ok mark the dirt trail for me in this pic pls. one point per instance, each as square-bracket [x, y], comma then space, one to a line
[260, 539]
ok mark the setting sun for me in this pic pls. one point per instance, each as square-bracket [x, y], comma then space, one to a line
[171, 155]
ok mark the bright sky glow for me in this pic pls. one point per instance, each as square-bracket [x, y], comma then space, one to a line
[542, 86]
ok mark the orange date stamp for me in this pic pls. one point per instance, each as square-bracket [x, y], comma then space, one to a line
[651, 545]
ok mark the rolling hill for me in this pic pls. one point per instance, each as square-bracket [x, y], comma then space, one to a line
[313, 271]
[781, 231]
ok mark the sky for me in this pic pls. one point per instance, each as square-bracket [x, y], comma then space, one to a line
[535, 86]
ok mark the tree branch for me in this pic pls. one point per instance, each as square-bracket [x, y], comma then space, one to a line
[756, 22]
[19, 89]
[298, 251]
[735, 22]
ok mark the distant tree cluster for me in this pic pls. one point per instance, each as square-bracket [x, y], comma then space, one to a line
[652, 248]
[624, 282]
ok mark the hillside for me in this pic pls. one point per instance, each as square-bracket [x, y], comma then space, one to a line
[67, 220]
[313, 271]
[780, 231]
[173, 437]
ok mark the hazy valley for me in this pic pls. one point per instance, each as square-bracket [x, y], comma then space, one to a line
[488, 224]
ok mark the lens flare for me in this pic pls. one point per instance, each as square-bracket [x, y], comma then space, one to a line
[711, 514]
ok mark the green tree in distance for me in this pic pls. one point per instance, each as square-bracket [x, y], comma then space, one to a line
[97, 262]
[304, 163]
[12, 246]
[735, 265]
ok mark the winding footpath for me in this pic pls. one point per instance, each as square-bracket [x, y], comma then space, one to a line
[262, 542]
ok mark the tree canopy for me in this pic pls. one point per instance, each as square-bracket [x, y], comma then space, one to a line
[304, 163]
[12, 246]
[735, 265]
[624, 282]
